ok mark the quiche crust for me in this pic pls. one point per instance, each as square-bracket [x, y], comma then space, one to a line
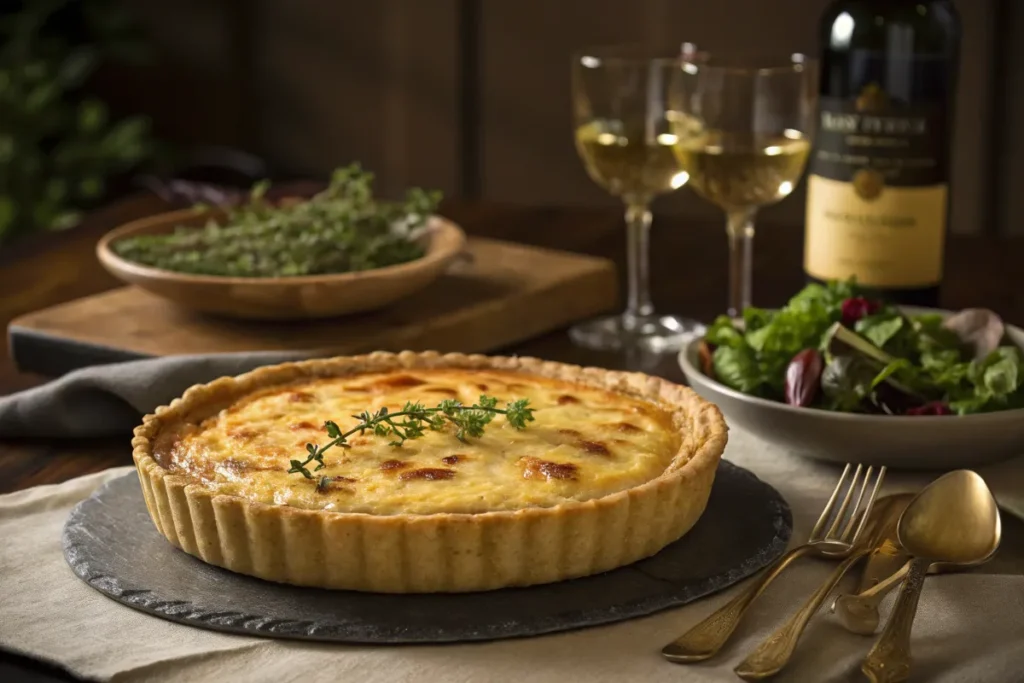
[438, 552]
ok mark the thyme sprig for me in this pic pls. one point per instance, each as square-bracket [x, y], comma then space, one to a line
[412, 422]
[342, 229]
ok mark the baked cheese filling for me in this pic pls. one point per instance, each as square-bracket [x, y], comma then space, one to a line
[585, 443]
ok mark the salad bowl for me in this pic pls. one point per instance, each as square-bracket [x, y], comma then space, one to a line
[918, 442]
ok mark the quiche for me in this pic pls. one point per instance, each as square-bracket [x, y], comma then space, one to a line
[614, 467]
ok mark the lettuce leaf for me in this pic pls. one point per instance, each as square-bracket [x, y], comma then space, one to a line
[723, 333]
[931, 361]
[737, 367]
[880, 328]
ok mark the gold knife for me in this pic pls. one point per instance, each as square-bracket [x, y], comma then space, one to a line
[885, 560]
[888, 557]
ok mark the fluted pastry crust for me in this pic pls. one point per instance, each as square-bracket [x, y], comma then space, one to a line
[439, 552]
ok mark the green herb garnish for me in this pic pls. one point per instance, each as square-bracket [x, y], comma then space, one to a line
[412, 422]
[877, 358]
[342, 229]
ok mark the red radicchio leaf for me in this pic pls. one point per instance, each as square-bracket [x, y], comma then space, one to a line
[858, 307]
[706, 351]
[932, 408]
[803, 378]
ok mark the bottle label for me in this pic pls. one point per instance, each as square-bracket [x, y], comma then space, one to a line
[877, 193]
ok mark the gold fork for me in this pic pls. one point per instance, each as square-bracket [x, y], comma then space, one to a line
[833, 540]
[775, 651]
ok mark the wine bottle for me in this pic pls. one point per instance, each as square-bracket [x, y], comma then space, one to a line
[878, 178]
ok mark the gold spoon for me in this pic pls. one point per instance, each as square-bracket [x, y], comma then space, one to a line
[883, 571]
[858, 613]
[956, 520]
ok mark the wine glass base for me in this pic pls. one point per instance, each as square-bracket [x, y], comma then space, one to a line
[657, 333]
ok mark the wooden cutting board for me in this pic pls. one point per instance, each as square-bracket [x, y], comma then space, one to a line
[501, 294]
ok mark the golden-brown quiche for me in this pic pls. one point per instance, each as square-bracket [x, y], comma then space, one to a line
[613, 467]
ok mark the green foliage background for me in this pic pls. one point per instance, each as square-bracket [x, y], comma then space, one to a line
[59, 146]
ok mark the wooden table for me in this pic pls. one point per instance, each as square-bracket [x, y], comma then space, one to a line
[688, 263]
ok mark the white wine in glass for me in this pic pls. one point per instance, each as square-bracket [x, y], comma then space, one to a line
[630, 163]
[744, 128]
[626, 138]
[740, 170]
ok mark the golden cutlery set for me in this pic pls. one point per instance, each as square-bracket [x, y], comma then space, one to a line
[951, 525]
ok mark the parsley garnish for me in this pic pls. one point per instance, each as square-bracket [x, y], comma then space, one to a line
[412, 422]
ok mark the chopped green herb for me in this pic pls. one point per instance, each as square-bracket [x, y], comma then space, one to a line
[342, 229]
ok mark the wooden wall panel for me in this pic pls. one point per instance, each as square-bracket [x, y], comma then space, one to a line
[527, 150]
[190, 85]
[351, 80]
[527, 153]
[313, 84]
[973, 142]
[1009, 162]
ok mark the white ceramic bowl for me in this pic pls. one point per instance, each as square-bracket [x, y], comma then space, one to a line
[905, 442]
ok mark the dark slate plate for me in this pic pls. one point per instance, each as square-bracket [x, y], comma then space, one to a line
[111, 544]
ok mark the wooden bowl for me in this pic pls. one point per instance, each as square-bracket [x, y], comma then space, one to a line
[280, 298]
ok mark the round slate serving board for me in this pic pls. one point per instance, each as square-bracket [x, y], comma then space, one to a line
[111, 544]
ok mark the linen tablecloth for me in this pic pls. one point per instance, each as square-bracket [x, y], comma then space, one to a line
[968, 628]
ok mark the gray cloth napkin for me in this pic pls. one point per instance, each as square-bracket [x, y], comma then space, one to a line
[108, 400]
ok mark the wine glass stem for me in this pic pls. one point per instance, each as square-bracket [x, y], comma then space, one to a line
[638, 230]
[740, 228]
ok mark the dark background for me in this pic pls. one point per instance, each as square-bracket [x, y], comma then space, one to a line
[472, 96]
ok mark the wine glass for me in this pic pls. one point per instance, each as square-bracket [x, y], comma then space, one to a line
[744, 127]
[624, 136]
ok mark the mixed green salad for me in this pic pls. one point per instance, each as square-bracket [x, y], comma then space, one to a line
[834, 347]
[342, 229]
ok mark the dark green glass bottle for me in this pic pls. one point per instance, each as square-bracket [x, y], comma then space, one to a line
[878, 179]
